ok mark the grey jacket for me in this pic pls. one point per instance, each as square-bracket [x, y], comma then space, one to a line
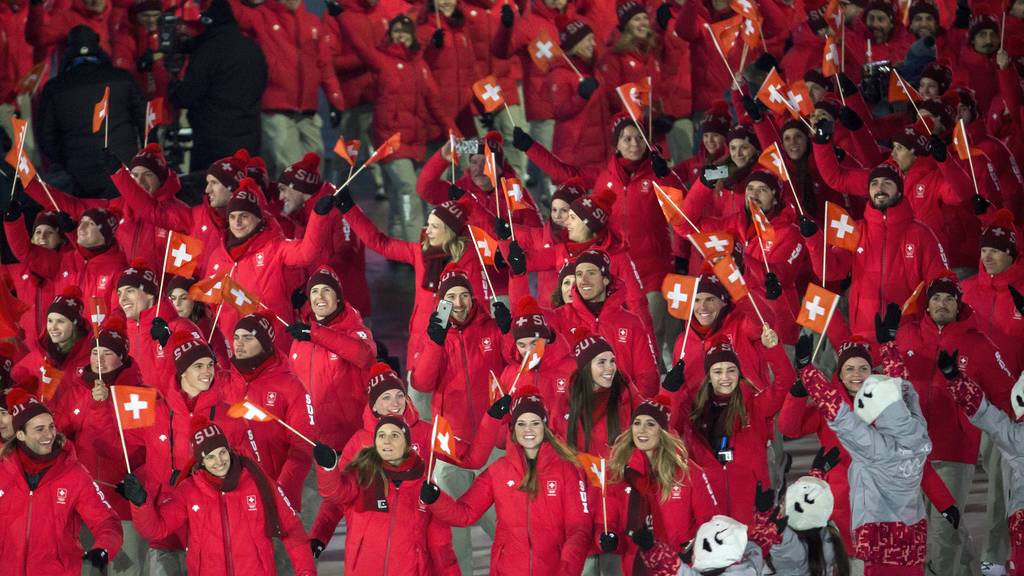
[789, 557]
[1008, 435]
[752, 564]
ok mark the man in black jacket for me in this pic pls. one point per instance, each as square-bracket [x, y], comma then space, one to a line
[222, 88]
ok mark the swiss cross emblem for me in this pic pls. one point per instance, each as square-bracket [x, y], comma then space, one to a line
[487, 344]
[677, 492]
[919, 191]
[102, 282]
[552, 488]
[250, 501]
[271, 398]
[259, 259]
[560, 385]
[62, 495]
[908, 251]
[623, 334]
[963, 361]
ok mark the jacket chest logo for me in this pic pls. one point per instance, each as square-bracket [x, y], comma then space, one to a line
[400, 66]
[250, 502]
[677, 492]
[962, 360]
[102, 283]
[560, 385]
[271, 399]
[908, 251]
[312, 32]
[332, 356]
[260, 260]
[919, 191]
[645, 186]
[486, 344]
[623, 335]
[62, 495]
[551, 487]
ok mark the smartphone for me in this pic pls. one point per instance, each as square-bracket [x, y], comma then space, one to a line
[466, 146]
[444, 312]
[716, 173]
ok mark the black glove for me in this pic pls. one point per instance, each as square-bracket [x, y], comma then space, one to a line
[802, 356]
[885, 329]
[963, 15]
[948, 365]
[438, 39]
[299, 331]
[929, 42]
[454, 192]
[674, 377]
[659, 165]
[507, 16]
[334, 115]
[825, 461]
[850, 119]
[798, 390]
[35, 2]
[325, 456]
[503, 317]
[772, 286]
[823, 130]
[111, 163]
[516, 258]
[586, 87]
[521, 140]
[500, 408]
[323, 205]
[687, 554]
[13, 211]
[753, 110]
[765, 62]
[65, 222]
[133, 490]
[871, 90]
[317, 546]
[429, 493]
[681, 264]
[145, 62]
[1018, 299]
[97, 557]
[952, 515]
[937, 148]
[663, 15]
[980, 204]
[333, 7]
[609, 541]
[643, 538]
[437, 332]
[299, 297]
[846, 86]
[764, 500]
[502, 228]
[499, 261]
[663, 124]
[487, 120]
[840, 153]
[160, 331]
[343, 200]
[807, 227]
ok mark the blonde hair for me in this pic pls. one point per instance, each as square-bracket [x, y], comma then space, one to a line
[454, 246]
[669, 461]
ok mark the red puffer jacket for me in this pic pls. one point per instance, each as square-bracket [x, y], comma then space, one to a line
[619, 66]
[953, 439]
[630, 339]
[599, 441]
[457, 373]
[95, 274]
[454, 66]
[552, 376]
[46, 29]
[540, 245]
[43, 525]
[998, 162]
[734, 483]
[32, 276]
[857, 35]
[333, 365]
[297, 56]
[979, 72]
[675, 84]
[482, 20]
[548, 533]
[153, 361]
[18, 53]
[581, 127]
[257, 266]
[895, 254]
[282, 455]
[227, 531]
[995, 314]
[28, 370]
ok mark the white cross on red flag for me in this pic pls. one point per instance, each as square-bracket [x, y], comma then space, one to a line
[544, 50]
[182, 256]
[488, 92]
[817, 308]
[679, 292]
[136, 406]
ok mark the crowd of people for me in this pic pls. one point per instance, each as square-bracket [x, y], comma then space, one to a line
[651, 243]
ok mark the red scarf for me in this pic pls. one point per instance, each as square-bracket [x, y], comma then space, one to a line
[237, 247]
[375, 496]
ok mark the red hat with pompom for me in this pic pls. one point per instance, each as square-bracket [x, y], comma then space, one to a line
[139, 275]
[528, 320]
[206, 437]
[587, 345]
[69, 304]
[721, 350]
[230, 171]
[304, 175]
[855, 347]
[187, 348]
[113, 336]
[452, 277]
[151, 157]
[454, 214]
[717, 119]
[659, 408]
[246, 198]
[382, 378]
[595, 209]
[1001, 233]
[528, 400]
[23, 407]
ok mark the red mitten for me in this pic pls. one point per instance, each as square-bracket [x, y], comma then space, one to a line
[966, 393]
[825, 395]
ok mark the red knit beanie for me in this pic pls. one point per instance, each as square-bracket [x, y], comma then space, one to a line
[708, 283]
[246, 198]
[595, 209]
[659, 408]
[625, 12]
[453, 214]
[527, 400]
[596, 257]
[855, 347]
[46, 218]
[717, 119]
[588, 346]
[397, 422]
[572, 33]
[888, 170]
[230, 171]
[151, 158]
[139, 275]
[528, 320]
[69, 304]
[720, 351]
[939, 71]
[106, 220]
[304, 175]
[452, 277]
[112, 336]
[1001, 233]
[382, 379]
[23, 407]
[569, 191]
[946, 283]
[261, 326]
[325, 275]
[206, 437]
[187, 348]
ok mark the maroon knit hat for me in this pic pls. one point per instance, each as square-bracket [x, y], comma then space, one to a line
[941, 111]
[794, 124]
[261, 326]
[394, 421]
[246, 198]
[595, 209]
[625, 12]
[981, 22]
[708, 283]
[175, 282]
[107, 220]
[568, 269]
[23, 407]
[588, 346]
[206, 437]
[659, 408]
[382, 379]
[304, 175]
[151, 157]
[46, 218]
[619, 123]
[569, 191]
[572, 33]
[720, 351]
[743, 132]
[528, 320]
[768, 179]
[528, 400]
[596, 257]
[923, 7]
[1001, 233]
[855, 347]
[888, 170]
[256, 169]
[186, 348]
[325, 275]
[717, 119]
[946, 283]
[885, 6]
[113, 336]
[940, 72]
[69, 304]
[452, 277]
[230, 171]
[454, 215]
[139, 275]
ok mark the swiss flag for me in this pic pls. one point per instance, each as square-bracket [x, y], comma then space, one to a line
[243, 301]
[671, 200]
[488, 92]
[745, 8]
[731, 277]
[912, 305]
[533, 359]
[763, 226]
[135, 405]
[712, 244]
[771, 160]
[679, 292]
[817, 308]
[490, 169]
[389, 147]
[347, 151]
[830, 57]
[249, 411]
[100, 111]
[208, 290]
[900, 91]
[31, 81]
[750, 31]
[544, 50]
[182, 256]
[726, 32]
[444, 439]
[841, 230]
[773, 92]
[494, 391]
[16, 155]
[155, 113]
[834, 15]
[485, 244]
[97, 312]
[799, 97]
[594, 467]
[960, 142]
[635, 96]
[515, 194]
[49, 381]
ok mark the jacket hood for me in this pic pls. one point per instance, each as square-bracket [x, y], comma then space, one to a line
[901, 213]
[1012, 275]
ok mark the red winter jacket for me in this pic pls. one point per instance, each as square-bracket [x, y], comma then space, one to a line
[334, 367]
[49, 29]
[581, 125]
[979, 72]
[995, 314]
[893, 50]
[457, 373]
[599, 441]
[95, 274]
[33, 275]
[282, 455]
[43, 524]
[227, 531]
[896, 253]
[552, 376]
[17, 52]
[548, 533]
[154, 362]
[453, 66]
[29, 369]
[297, 56]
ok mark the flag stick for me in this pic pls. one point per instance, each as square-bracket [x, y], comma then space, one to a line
[824, 247]
[437, 16]
[650, 108]
[714, 41]
[351, 176]
[760, 242]
[294, 431]
[487, 278]
[1002, 42]
[743, 56]
[785, 170]
[756, 309]
[163, 272]
[430, 463]
[350, 166]
[906, 91]
[840, 89]
[496, 381]
[571, 65]
[279, 319]
[522, 366]
[106, 125]
[675, 207]
[686, 333]
[509, 112]
[828, 320]
[451, 154]
[21, 150]
[99, 360]
[216, 317]
[970, 157]
[604, 504]
[46, 189]
[842, 44]
[120, 431]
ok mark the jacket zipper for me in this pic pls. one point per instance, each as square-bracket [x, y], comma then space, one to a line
[28, 531]
[529, 540]
[225, 528]
[465, 368]
[391, 525]
[885, 242]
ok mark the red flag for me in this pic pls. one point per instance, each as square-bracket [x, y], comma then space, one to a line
[900, 91]
[515, 194]
[101, 110]
[11, 309]
[960, 142]
[533, 359]
[773, 92]
[799, 98]
[444, 439]
[834, 15]
[183, 255]
[712, 244]
[389, 147]
[451, 147]
[544, 50]
[746, 8]
[208, 290]
[485, 245]
[726, 32]
[771, 159]
[238, 297]
[249, 411]
[594, 467]
[679, 292]
[750, 30]
[16, 155]
[135, 405]
[488, 92]
[763, 226]
[671, 201]
[155, 113]
[817, 308]
[490, 169]
[731, 277]
[347, 151]
[97, 312]
[494, 391]
[912, 305]
[634, 97]
[841, 230]
[830, 57]
[29, 83]
[49, 381]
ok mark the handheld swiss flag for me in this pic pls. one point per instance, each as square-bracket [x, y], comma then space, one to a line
[16, 155]
[763, 226]
[533, 359]
[679, 292]
[960, 142]
[515, 194]
[671, 200]
[817, 308]
[544, 50]
[100, 111]
[97, 312]
[771, 160]
[726, 32]
[751, 33]
[494, 391]
[773, 92]
[834, 15]
[389, 147]
[912, 305]
[731, 277]
[249, 411]
[594, 467]
[136, 406]
[841, 230]
[745, 8]
[238, 297]
[488, 92]
[830, 57]
[31, 81]
[347, 151]
[799, 97]
[49, 381]
[713, 244]
[182, 256]
[208, 290]
[635, 97]
[155, 113]
[900, 91]
[490, 166]
[444, 439]
[485, 244]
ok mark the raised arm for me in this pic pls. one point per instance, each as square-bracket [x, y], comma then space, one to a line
[470, 507]
[386, 246]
